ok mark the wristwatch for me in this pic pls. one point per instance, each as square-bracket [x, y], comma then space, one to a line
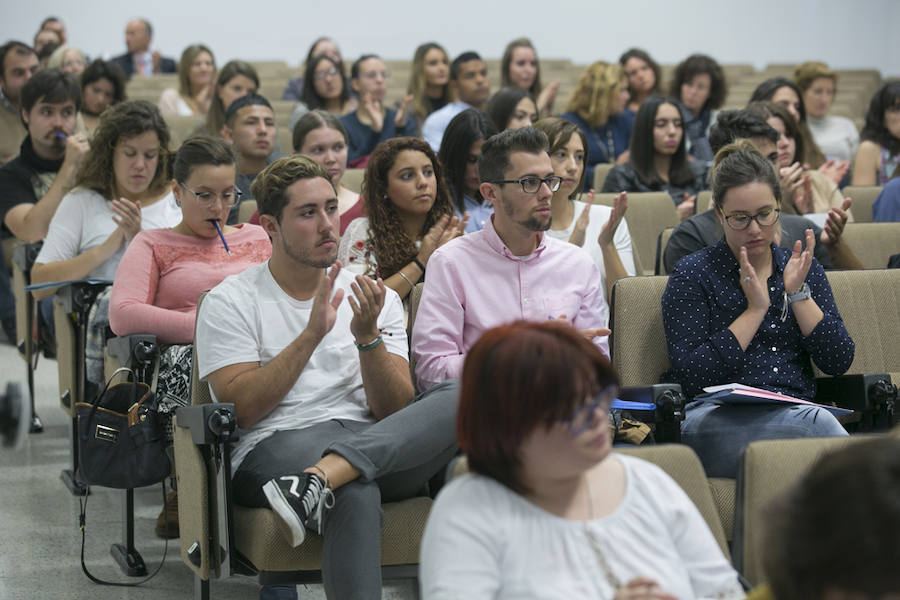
[803, 293]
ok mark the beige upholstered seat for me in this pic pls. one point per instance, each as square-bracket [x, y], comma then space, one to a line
[869, 303]
[769, 468]
[873, 243]
[246, 210]
[353, 179]
[256, 535]
[863, 197]
[601, 170]
[704, 201]
[648, 214]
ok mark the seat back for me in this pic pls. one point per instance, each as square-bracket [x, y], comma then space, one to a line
[869, 304]
[246, 210]
[601, 170]
[638, 341]
[199, 389]
[863, 197]
[682, 464]
[704, 201]
[768, 469]
[414, 296]
[181, 128]
[285, 138]
[648, 214]
[25, 312]
[873, 243]
[353, 179]
[661, 242]
[68, 355]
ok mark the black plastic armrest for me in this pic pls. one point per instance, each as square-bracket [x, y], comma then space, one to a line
[25, 254]
[140, 347]
[872, 394]
[210, 424]
[668, 411]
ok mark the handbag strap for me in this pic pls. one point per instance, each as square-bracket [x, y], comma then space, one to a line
[95, 403]
[82, 502]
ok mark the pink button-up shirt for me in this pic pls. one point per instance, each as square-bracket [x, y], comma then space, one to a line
[475, 283]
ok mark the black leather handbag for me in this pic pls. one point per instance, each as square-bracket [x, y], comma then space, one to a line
[121, 443]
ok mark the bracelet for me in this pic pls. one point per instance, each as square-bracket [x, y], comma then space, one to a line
[373, 344]
[419, 264]
[405, 278]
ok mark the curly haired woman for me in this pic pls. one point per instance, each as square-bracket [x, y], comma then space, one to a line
[409, 215]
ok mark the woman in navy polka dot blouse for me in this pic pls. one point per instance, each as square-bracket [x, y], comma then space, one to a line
[747, 311]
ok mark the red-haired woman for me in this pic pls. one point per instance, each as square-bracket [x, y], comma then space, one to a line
[548, 510]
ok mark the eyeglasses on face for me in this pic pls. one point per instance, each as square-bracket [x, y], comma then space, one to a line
[764, 218]
[531, 185]
[323, 75]
[586, 416]
[375, 75]
[208, 199]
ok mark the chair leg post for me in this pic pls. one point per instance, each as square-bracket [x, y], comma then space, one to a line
[68, 476]
[201, 588]
[36, 425]
[129, 559]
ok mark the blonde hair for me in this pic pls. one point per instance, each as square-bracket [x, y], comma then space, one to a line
[806, 73]
[184, 67]
[594, 92]
[421, 103]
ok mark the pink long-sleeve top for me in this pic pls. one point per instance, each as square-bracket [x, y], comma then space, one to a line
[163, 273]
[475, 283]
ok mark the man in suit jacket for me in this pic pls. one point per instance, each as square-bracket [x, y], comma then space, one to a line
[139, 60]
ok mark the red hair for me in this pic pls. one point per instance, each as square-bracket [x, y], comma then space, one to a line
[518, 377]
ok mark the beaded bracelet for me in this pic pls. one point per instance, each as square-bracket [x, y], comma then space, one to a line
[373, 344]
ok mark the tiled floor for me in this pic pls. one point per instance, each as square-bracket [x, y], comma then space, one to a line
[39, 556]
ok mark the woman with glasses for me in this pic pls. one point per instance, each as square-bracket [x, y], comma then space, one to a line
[164, 272]
[548, 510]
[410, 215]
[747, 311]
[371, 123]
[324, 87]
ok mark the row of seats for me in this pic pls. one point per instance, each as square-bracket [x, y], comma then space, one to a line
[855, 87]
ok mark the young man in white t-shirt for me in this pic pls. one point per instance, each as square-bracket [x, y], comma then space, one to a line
[315, 362]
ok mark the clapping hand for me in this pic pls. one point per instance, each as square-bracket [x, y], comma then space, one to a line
[608, 231]
[754, 287]
[127, 217]
[582, 222]
[834, 224]
[797, 267]
[366, 302]
[324, 309]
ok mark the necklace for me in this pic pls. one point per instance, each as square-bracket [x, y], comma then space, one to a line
[594, 541]
[610, 142]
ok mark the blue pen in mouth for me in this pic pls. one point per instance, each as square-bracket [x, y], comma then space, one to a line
[215, 223]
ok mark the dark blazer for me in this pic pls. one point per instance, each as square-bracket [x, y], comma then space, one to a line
[166, 65]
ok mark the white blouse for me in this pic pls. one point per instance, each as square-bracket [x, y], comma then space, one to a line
[483, 540]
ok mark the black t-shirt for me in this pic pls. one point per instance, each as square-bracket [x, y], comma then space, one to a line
[25, 179]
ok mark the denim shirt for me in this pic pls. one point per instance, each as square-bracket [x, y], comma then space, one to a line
[704, 296]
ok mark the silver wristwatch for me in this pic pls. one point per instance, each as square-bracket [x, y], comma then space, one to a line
[802, 294]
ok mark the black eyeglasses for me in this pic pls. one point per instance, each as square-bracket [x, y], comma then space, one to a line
[765, 218]
[585, 416]
[531, 185]
[208, 199]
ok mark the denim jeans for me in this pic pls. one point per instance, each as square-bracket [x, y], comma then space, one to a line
[278, 592]
[718, 433]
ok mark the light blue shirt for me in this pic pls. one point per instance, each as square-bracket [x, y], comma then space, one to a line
[479, 213]
[436, 123]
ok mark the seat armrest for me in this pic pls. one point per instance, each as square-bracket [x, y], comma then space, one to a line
[668, 408]
[78, 297]
[209, 424]
[25, 254]
[872, 394]
[140, 348]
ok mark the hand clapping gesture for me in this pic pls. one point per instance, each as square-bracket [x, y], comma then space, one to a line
[581, 224]
[324, 309]
[372, 109]
[400, 117]
[608, 231]
[754, 287]
[797, 267]
[440, 233]
[127, 217]
[366, 303]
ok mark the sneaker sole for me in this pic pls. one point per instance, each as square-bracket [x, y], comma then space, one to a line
[291, 525]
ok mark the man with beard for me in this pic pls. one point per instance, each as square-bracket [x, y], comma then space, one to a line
[509, 270]
[18, 63]
[250, 129]
[320, 383]
[33, 184]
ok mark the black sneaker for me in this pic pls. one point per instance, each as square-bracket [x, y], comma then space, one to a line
[298, 501]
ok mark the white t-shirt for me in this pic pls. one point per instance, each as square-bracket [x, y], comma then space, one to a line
[621, 239]
[84, 220]
[484, 541]
[248, 318]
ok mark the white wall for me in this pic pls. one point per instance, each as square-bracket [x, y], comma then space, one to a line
[844, 33]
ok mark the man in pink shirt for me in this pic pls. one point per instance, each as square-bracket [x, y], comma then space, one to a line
[509, 270]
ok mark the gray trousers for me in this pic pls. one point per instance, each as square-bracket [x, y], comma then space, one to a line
[395, 456]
